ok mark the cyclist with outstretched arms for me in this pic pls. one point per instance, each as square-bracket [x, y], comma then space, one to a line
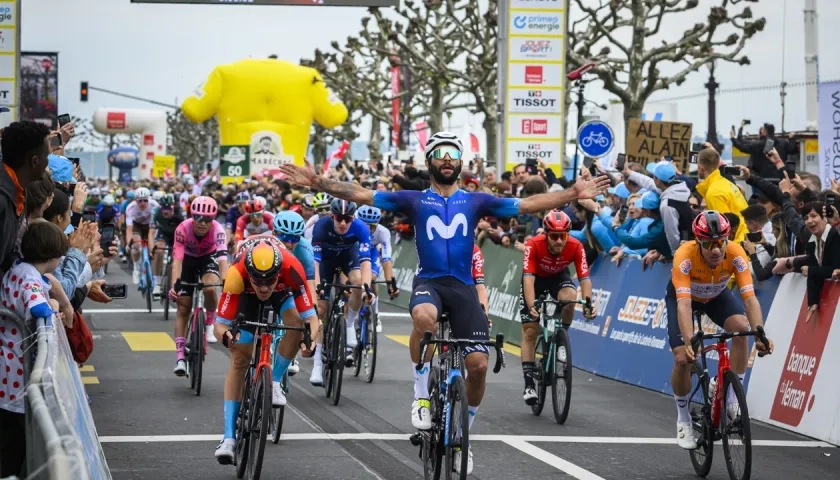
[199, 255]
[702, 269]
[268, 274]
[546, 267]
[445, 220]
[138, 215]
[341, 241]
[380, 255]
[162, 235]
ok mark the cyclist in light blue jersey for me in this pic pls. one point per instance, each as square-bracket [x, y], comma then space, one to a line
[445, 219]
[380, 255]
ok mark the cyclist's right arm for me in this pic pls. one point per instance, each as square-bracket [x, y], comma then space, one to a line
[529, 269]
[231, 291]
[240, 227]
[681, 278]
[319, 234]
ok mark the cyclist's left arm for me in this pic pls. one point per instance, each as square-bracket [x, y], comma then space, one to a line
[303, 299]
[582, 270]
[743, 278]
[229, 300]
[544, 201]
[363, 234]
[305, 255]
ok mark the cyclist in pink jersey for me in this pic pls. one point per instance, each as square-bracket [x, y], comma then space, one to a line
[198, 255]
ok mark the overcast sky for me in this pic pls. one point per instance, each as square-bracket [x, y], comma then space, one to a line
[163, 52]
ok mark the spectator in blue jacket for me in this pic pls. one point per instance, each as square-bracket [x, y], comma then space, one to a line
[644, 214]
[595, 235]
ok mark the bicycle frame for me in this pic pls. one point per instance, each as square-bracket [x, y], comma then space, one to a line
[544, 318]
[146, 265]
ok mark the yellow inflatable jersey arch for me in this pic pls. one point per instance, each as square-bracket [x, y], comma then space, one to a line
[258, 99]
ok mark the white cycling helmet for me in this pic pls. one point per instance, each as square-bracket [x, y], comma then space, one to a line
[157, 195]
[94, 192]
[108, 201]
[142, 193]
[119, 192]
[442, 138]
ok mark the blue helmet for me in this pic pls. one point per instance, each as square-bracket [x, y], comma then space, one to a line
[289, 223]
[342, 207]
[368, 214]
[242, 197]
[129, 195]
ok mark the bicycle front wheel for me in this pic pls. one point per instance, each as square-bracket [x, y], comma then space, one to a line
[243, 436]
[149, 288]
[260, 416]
[701, 421]
[432, 453]
[735, 428]
[543, 375]
[339, 348]
[561, 385]
[327, 356]
[198, 349]
[459, 428]
[279, 412]
[369, 348]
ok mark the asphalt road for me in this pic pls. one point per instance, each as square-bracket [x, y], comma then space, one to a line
[153, 427]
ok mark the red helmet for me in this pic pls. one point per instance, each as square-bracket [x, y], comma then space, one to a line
[711, 225]
[557, 221]
[255, 205]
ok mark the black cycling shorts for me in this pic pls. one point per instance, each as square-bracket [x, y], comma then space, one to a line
[718, 310]
[141, 229]
[249, 306]
[193, 270]
[553, 284]
[467, 319]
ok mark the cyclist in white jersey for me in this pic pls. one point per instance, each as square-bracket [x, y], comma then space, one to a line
[380, 241]
[138, 215]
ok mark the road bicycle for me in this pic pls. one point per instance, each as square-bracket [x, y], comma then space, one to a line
[196, 346]
[335, 341]
[146, 279]
[448, 398]
[554, 358]
[708, 409]
[165, 279]
[254, 421]
[364, 355]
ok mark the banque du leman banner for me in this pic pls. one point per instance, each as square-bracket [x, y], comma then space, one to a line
[265, 109]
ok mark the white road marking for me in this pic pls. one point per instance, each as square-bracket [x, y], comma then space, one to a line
[553, 460]
[160, 310]
[481, 438]
[395, 314]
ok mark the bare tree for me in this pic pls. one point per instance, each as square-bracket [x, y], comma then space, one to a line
[631, 70]
[189, 141]
[322, 139]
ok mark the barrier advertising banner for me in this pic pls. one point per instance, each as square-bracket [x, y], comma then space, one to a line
[796, 388]
[829, 132]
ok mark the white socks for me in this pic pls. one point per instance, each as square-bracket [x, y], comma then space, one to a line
[421, 380]
[683, 414]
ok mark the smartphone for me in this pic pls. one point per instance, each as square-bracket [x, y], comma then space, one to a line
[106, 238]
[768, 145]
[730, 170]
[746, 122]
[620, 161]
[115, 291]
[520, 239]
[531, 166]
[588, 161]
[55, 141]
[64, 119]
[754, 237]
[623, 210]
[790, 167]
[698, 146]
[692, 158]
[829, 200]
[75, 160]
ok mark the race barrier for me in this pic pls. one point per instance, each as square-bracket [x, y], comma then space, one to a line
[61, 440]
[796, 388]
[628, 341]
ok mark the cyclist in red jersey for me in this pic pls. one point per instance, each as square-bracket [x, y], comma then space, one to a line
[478, 277]
[546, 267]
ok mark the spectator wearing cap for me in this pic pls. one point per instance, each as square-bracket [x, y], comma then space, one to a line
[674, 208]
[720, 194]
[25, 149]
[643, 214]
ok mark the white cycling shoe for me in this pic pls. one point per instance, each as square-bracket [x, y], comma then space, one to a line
[378, 326]
[294, 367]
[685, 436]
[530, 396]
[352, 341]
[135, 276]
[208, 332]
[278, 398]
[224, 452]
[156, 291]
[180, 368]
[457, 462]
[317, 377]
[421, 416]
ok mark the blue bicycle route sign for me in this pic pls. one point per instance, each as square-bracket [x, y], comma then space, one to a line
[595, 138]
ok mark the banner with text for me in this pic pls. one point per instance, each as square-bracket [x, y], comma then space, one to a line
[796, 388]
[829, 132]
[9, 66]
[649, 141]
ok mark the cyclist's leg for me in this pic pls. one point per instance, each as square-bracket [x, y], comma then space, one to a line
[138, 233]
[326, 272]
[208, 271]
[425, 307]
[681, 373]
[289, 308]
[564, 288]
[727, 313]
[157, 261]
[530, 330]
[374, 274]
[189, 273]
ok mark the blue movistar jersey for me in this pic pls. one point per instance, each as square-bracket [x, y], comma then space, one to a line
[445, 227]
[327, 242]
[107, 214]
[233, 215]
[306, 256]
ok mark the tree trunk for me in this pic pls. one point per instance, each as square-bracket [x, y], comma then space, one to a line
[319, 146]
[631, 110]
[436, 112]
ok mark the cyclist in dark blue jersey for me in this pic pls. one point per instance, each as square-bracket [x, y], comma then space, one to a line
[341, 241]
[445, 219]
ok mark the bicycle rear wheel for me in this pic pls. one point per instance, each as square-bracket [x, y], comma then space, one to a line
[561, 384]
[243, 437]
[739, 427]
[279, 412]
[327, 356]
[543, 375]
[260, 417]
[198, 349]
[149, 287]
[188, 349]
[369, 349]
[360, 347]
[459, 428]
[165, 294]
[701, 420]
[339, 349]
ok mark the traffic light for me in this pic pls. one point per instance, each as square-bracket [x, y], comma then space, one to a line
[84, 92]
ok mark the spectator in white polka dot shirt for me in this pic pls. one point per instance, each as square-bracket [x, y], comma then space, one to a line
[24, 291]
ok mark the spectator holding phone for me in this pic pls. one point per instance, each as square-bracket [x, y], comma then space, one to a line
[720, 194]
[759, 163]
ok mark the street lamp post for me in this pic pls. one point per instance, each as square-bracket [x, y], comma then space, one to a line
[712, 86]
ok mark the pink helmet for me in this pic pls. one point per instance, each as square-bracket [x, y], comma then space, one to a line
[204, 206]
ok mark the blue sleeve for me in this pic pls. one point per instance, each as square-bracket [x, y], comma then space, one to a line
[639, 230]
[606, 219]
[362, 232]
[488, 205]
[69, 270]
[304, 253]
[319, 233]
[42, 310]
[602, 235]
[644, 241]
[402, 201]
[579, 235]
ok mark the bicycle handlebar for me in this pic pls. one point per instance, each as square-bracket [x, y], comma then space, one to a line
[543, 299]
[240, 320]
[199, 284]
[759, 333]
[498, 344]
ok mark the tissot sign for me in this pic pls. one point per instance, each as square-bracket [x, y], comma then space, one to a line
[320, 3]
[520, 151]
[535, 101]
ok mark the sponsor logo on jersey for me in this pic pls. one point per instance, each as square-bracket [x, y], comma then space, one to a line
[435, 225]
[685, 266]
[740, 264]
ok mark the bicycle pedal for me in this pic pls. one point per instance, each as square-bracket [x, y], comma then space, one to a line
[416, 439]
